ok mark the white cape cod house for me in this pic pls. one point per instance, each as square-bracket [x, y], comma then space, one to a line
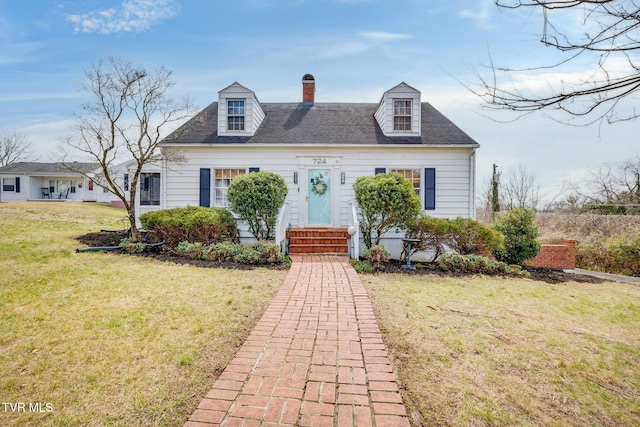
[319, 149]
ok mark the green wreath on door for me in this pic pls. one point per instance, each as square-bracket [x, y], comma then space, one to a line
[319, 187]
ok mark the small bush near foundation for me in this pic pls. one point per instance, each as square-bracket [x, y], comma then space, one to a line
[192, 224]
[476, 264]
[131, 246]
[472, 237]
[434, 234]
[376, 257]
[462, 235]
[260, 253]
[361, 266]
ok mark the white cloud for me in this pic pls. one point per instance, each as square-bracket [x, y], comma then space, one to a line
[482, 15]
[383, 36]
[131, 16]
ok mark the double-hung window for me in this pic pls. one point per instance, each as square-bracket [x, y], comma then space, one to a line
[221, 183]
[411, 175]
[402, 115]
[235, 114]
[149, 189]
[8, 184]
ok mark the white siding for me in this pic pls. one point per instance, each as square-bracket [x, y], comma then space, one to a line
[454, 174]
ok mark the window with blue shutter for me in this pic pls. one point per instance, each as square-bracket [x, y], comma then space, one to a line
[380, 170]
[205, 187]
[430, 188]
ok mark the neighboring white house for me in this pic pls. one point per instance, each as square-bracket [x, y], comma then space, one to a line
[319, 149]
[24, 181]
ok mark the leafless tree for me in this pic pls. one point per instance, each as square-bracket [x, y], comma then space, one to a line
[616, 185]
[13, 148]
[609, 36]
[125, 120]
[520, 188]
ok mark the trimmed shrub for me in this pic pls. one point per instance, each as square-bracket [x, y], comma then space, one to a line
[257, 198]
[462, 235]
[520, 236]
[386, 201]
[472, 237]
[476, 264]
[435, 234]
[192, 224]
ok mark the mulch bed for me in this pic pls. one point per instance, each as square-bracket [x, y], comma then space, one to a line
[112, 238]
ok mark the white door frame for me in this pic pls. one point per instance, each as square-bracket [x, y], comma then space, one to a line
[306, 163]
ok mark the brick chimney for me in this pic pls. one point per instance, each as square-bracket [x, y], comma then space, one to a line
[308, 89]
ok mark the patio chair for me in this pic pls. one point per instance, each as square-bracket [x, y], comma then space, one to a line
[64, 194]
[45, 192]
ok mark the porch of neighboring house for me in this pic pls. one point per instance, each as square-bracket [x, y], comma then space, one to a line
[54, 189]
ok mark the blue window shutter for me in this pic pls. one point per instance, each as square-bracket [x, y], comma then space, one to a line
[205, 187]
[17, 184]
[381, 170]
[430, 188]
[254, 170]
[126, 182]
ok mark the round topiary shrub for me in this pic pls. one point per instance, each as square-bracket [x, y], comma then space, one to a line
[386, 201]
[257, 198]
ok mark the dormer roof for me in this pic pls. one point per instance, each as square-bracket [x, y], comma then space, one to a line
[308, 123]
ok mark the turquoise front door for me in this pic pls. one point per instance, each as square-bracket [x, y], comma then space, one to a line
[319, 200]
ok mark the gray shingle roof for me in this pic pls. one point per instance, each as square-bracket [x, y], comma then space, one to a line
[320, 123]
[38, 168]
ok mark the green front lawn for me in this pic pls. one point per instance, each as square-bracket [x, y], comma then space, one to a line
[487, 351]
[103, 339]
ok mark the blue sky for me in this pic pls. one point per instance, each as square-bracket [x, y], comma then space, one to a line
[356, 49]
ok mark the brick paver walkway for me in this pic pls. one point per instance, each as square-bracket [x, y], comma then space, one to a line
[316, 358]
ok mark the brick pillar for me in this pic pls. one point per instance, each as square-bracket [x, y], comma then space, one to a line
[570, 253]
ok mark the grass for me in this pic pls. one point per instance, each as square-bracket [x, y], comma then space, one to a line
[104, 339]
[500, 352]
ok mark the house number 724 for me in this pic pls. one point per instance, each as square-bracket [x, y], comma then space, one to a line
[319, 161]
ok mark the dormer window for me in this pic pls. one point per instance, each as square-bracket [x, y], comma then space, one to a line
[235, 114]
[402, 115]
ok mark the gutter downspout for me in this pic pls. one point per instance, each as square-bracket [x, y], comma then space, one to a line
[472, 181]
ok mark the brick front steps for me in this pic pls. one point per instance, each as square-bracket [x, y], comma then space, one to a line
[318, 241]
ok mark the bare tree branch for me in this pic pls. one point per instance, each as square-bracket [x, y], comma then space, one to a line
[610, 35]
[125, 120]
[13, 148]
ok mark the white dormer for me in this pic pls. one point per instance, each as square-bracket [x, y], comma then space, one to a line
[398, 113]
[239, 111]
